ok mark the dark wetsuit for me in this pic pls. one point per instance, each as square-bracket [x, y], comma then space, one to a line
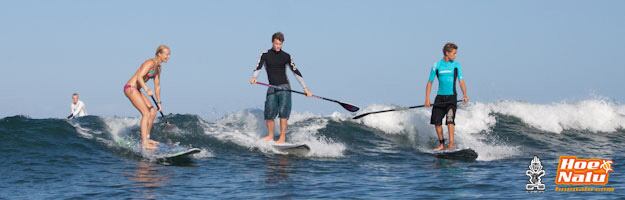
[278, 103]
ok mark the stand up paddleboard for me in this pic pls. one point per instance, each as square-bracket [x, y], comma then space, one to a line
[177, 155]
[456, 154]
[300, 149]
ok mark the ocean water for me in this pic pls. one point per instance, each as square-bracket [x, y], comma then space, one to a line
[381, 156]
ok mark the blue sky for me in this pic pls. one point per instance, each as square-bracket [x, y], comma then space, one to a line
[363, 52]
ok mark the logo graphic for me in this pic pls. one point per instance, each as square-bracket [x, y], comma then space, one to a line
[535, 173]
[580, 171]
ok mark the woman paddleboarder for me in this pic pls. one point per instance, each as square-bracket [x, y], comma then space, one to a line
[150, 69]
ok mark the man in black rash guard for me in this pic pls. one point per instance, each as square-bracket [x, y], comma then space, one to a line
[278, 102]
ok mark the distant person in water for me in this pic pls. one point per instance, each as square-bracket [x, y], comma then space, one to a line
[77, 108]
[150, 69]
[448, 71]
[278, 102]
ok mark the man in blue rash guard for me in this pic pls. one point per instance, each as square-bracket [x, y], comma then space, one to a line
[447, 70]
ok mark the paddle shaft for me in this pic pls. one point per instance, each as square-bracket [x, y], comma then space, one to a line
[347, 106]
[398, 109]
[302, 93]
[158, 107]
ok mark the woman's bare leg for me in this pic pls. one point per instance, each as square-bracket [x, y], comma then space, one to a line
[151, 117]
[136, 98]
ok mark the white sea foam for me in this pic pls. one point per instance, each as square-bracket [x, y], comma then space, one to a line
[475, 120]
[415, 123]
[593, 115]
[121, 130]
[246, 128]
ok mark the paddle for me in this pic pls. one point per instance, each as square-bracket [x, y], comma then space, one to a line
[396, 109]
[159, 108]
[349, 107]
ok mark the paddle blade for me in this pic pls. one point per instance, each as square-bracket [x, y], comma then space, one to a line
[169, 126]
[165, 123]
[349, 107]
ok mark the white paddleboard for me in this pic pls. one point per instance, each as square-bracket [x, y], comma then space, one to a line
[177, 155]
[293, 148]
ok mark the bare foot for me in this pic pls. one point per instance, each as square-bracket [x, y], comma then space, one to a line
[148, 146]
[268, 138]
[280, 141]
[451, 146]
[440, 147]
[152, 142]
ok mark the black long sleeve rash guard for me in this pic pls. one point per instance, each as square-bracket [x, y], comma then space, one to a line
[275, 63]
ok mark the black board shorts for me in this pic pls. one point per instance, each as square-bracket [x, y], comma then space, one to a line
[444, 105]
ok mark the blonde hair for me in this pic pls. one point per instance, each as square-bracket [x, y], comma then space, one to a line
[160, 49]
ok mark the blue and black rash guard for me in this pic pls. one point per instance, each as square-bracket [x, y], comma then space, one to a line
[276, 62]
[447, 73]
